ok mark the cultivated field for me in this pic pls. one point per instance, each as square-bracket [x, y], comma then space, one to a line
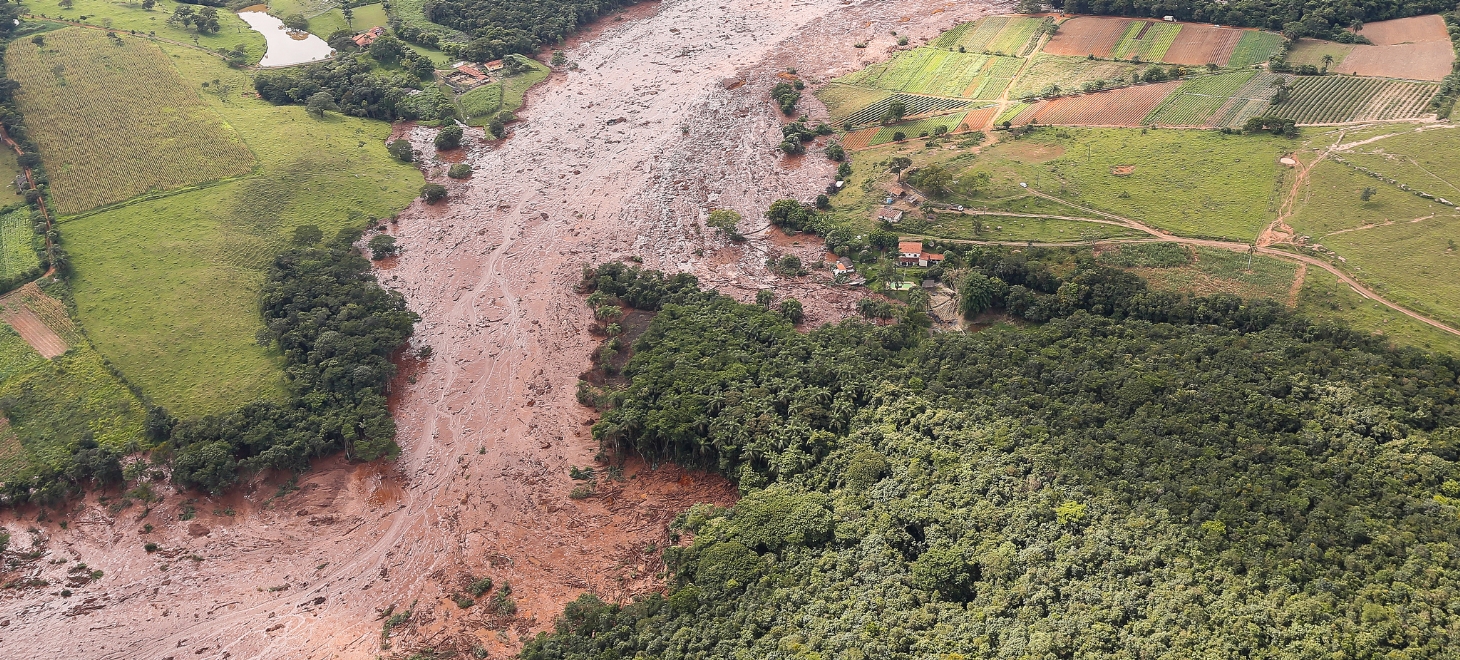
[480, 105]
[98, 107]
[1118, 107]
[1416, 29]
[917, 128]
[17, 246]
[1197, 100]
[1199, 44]
[915, 105]
[840, 100]
[1087, 35]
[1253, 100]
[182, 327]
[1337, 99]
[1428, 60]
[1147, 40]
[1255, 47]
[1068, 73]
[1006, 35]
[938, 72]
[977, 119]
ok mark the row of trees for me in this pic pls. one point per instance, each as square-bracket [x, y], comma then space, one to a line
[1326, 19]
[514, 26]
[1223, 478]
[355, 89]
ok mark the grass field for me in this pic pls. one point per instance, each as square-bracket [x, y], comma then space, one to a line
[1311, 51]
[1323, 298]
[1192, 183]
[1255, 47]
[1214, 271]
[918, 127]
[113, 119]
[1068, 73]
[174, 303]
[52, 403]
[1409, 262]
[128, 16]
[1335, 99]
[479, 105]
[17, 245]
[938, 72]
[1015, 36]
[1151, 45]
[326, 23]
[1016, 228]
[1332, 203]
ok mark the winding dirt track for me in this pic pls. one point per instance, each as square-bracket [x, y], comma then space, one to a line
[620, 158]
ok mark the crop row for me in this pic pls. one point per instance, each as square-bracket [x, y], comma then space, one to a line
[978, 39]
[1197, 100]
[1151, 45]
[1255, 47]
[1336, 99]
[17, 245]
[918, 127]
[114, 119]
[915, 105]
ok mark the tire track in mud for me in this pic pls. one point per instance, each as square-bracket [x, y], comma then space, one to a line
[620, 158]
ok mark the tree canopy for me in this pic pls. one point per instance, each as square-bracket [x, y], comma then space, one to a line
[1182, 477]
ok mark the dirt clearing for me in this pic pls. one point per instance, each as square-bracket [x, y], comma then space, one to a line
[32, 314]
[1429, 60]
[1412, 30]
[622, 158]
[1087, 35]
[1198, 45]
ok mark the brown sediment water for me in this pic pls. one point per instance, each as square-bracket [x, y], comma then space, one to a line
[489, 424]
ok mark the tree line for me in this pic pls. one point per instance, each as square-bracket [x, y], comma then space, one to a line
[1324, 19]
[503, 27]
[1133, 475]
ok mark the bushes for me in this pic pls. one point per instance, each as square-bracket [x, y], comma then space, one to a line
[459, 171]
[433, 192]
[449, 137]
[786, 97]
[401, 150]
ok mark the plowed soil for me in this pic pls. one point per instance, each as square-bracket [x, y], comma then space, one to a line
[619, 159]
[1087, 35]
[1407, 30]
[1198, 45]
[1118, 107]
[42, 339]
[1428, 60]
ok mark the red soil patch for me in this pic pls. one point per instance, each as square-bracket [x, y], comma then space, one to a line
[42, 339]
[1123, 170]
[1118, 107]
[1197, 45]
[1407, 30]
[860, 139]
[1428, 60]
[1087, 35]
[1031, 152]
[977, 120]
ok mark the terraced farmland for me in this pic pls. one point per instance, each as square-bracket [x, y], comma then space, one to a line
[78, 92]
[1337, 99]
[1198, 99]
[1017, 36]
[1147, 40]
[918, 127]
[916, 105]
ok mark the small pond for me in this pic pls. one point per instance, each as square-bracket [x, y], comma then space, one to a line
[285, 47]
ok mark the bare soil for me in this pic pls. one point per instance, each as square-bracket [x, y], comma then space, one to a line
[1199, 44]
[1415, 29]
[621, 158]
[1088, 35]
[1427, 60]
[42, 339]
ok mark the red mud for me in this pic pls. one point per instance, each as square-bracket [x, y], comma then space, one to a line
[491, 424]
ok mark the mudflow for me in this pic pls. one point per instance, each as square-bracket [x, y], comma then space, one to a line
[666, 116]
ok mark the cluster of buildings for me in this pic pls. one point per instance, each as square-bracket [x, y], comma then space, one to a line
[466, 75]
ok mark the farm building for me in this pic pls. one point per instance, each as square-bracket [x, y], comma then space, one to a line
[494, 65]
[364, 39]
[464, 76]
[889, 216]
[910, 253]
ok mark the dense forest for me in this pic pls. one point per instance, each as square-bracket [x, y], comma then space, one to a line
[336, 328]
[355, 90]
[500, 27]
[1167, 477]
[1295, 18]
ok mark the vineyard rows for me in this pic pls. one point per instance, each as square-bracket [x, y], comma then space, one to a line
[17, 246]
[1255, 47]
[916, 105]
[1251, 101]
[1198, 99]
[1336, 99]
[80, 94]
[843, 100]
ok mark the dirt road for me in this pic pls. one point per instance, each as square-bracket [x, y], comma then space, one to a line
[621, 158]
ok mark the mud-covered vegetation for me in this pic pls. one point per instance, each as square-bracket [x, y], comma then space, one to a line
[1164, 477]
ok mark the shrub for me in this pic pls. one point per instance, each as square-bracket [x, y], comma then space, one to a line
[791, 309]
[433, 192]
[459, 171]
[449, 137]
[382, 246]
[401, 150]
[480, 587]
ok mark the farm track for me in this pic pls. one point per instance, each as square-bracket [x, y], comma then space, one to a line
[490, 424]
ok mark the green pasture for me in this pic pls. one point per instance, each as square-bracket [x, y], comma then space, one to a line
[51, 404]
[167, 287]
[326, 23]
[1016, 228]
[1214, 271]
[1195, 183]
[1333, 202]
[1311, 51]
[130, 16]
[1325, 298]
[479, 105]
[1411, 263]
[912, 130]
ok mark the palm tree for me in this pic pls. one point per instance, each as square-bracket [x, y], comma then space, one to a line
[1327, 60]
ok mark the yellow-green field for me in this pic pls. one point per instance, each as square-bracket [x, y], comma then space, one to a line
[114, 120]
[130, 16]
[168, 287]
